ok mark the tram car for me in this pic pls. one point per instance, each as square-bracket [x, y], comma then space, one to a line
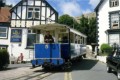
[68, 44]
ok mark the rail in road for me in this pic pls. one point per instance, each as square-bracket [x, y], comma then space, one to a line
[33, 76]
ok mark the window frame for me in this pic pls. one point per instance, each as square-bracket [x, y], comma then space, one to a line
[34, 32]
[114, 20]
[33, 12]
[5, 33]
[113, 3]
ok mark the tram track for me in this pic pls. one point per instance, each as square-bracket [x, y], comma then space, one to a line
[33, 76]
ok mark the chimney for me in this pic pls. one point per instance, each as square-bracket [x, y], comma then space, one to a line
[2, 3]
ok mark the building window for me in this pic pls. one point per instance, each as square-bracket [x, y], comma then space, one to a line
[3, 47]
[115, 21]
[3, 32]
[32, 37]
[114, 3]
[113, 38]
[33, 13]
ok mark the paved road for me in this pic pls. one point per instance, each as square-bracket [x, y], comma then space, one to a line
[87, 69]
[91, 70]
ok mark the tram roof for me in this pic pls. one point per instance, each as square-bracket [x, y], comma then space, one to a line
[56, 26]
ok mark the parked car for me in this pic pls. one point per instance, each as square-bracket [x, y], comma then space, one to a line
[113, 62]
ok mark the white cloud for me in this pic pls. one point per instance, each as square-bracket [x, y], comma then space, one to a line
[86, 11]
[13, 2]
[72, 8]
[94, 3]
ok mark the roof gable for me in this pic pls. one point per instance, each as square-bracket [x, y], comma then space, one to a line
[97, 7]
[22, 1]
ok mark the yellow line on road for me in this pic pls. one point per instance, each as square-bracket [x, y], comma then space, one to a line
[67, 76]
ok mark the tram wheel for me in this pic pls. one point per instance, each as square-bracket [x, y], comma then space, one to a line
[67, 66]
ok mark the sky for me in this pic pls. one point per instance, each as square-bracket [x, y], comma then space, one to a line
[72, 7]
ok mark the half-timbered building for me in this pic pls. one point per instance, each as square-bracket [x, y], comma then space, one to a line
[25, 14]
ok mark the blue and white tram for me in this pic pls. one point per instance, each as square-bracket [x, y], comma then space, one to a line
[61, 52]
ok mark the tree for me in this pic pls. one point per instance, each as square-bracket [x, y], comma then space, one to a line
[92, 31]
[68, 20]
[88, 27]
[83, 26]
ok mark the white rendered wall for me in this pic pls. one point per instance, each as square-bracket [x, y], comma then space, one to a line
[103, 21]
[17, 48]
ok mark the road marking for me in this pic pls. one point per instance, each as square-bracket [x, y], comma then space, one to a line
[67, 76]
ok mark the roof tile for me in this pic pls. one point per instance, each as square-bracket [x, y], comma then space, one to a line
[4, 14]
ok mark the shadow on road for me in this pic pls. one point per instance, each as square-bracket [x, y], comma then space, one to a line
[85, 64]
[6, 69]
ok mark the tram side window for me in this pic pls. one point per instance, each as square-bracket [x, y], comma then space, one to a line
[65, 39]
[81, 41]
[71, 38]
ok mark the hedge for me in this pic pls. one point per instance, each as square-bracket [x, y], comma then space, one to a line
[4, 59]
[106, 49]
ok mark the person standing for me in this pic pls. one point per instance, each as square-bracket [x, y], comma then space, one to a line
[48, 38]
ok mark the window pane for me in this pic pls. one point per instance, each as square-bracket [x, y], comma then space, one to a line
[113, 38]
[29, 14]
[2, 34]
[36, 14]
[30, 9]
[31, 39]
[114, 3]
[115, 21]
[2, 29]
[37, 9]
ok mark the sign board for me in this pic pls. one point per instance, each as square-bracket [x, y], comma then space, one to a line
[16, 35]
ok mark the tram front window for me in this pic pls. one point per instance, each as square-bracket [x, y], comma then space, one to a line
[65, 39]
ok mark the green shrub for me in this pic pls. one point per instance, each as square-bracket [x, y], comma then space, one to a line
[106, 49]
[4, 59]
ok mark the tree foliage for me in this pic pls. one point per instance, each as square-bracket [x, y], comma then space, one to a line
[92, 31]
[68, 20]
[4, 59]
[85, 25]
[88, 27]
